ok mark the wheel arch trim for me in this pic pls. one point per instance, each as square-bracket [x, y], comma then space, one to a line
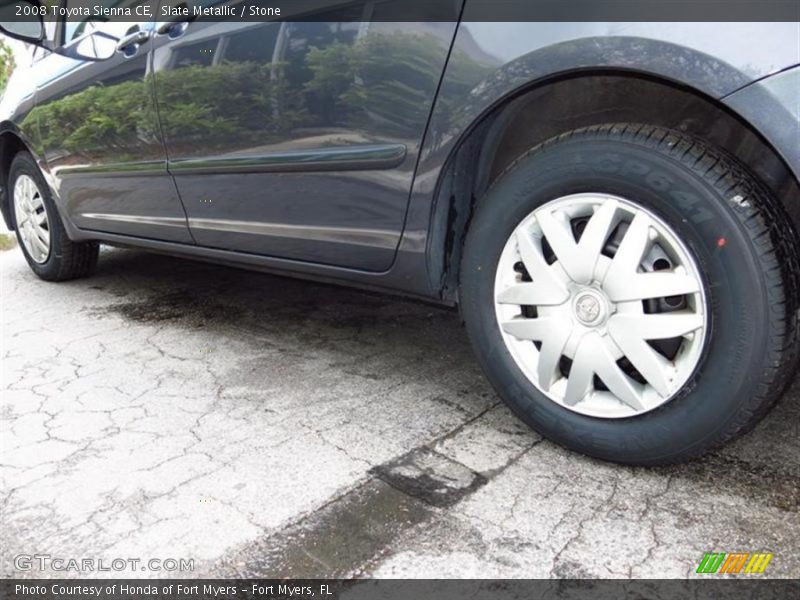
[486, 130]
[12, 141]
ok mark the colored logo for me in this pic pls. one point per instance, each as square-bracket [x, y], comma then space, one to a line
[736, 562]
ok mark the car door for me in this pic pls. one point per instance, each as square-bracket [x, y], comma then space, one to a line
[98, 131]
[298, 139]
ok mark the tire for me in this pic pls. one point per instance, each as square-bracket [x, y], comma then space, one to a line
[64, 259]
[731, 237]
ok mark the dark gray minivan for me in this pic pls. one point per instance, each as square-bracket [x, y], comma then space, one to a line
[612, 206]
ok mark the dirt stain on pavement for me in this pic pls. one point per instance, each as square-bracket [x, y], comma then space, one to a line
[174, 306]
[338, 539]
[431, 477]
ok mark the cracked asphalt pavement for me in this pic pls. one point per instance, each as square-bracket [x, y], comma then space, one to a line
[265, 426]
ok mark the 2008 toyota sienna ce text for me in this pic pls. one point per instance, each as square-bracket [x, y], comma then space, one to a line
[612, 206]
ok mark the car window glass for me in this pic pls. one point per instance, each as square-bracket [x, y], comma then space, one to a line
[197, 54]
[256, 44]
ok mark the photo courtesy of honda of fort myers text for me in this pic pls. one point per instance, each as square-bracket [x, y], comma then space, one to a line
[344, 299]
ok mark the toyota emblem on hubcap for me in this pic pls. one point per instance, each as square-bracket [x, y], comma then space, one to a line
[588, 309]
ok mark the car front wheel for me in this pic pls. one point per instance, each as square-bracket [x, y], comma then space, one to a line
[40, 232]
[629, 292]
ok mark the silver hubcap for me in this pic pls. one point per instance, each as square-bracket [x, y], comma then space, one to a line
[600, 305]
[31, 218]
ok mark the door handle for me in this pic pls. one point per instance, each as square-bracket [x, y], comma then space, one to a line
[130, 43]
[174, 29]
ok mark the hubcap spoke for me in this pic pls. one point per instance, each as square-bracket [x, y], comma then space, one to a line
[581, 374]
[641, 286]
[631, 333]
[541, 273]
[656, 370]
[603, 304]
[553, 334]
[579, 258]
[655, 327]
[594, 358]
[550, 355]
[39, 224]
[40, 245]
[536, 329]
[623, 282]
[533, 294]
[42, 236]
[631, 251]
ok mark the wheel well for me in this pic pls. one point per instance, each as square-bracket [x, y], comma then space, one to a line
[583, 100]
[10, 146]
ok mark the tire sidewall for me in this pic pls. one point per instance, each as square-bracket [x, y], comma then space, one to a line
[737, 320]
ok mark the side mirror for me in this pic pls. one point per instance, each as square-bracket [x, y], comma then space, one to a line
[23, 20]
[94, 47]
